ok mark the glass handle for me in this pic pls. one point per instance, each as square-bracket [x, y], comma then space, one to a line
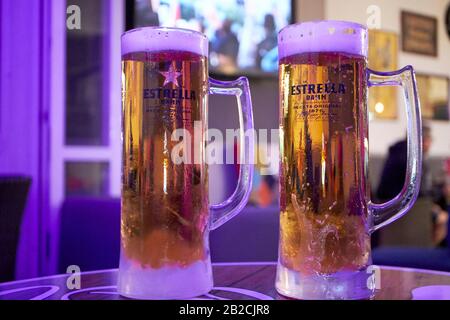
[222, 212]
[387, 212]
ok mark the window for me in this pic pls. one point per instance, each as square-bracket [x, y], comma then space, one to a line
[86, 178]
[85, 103]
[86, 54]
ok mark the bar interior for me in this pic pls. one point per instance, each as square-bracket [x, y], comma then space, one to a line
[238, 149]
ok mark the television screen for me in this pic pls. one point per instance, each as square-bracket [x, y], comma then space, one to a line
[242, 33]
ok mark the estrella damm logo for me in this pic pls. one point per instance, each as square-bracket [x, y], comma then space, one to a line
[169, 93]
[162, 93]
[317, 91]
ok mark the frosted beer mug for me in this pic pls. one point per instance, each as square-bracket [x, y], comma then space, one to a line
[166, 216]
[326, 216]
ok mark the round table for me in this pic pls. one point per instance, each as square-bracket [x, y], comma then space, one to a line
[238, 281]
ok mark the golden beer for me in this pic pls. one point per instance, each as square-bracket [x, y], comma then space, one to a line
[166, 216]
[327, 215]
[164, 204]
[323, 185]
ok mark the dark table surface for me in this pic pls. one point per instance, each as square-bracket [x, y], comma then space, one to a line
[232, 281]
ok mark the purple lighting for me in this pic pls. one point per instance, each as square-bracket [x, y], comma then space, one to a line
[224, 150]
[431, 293]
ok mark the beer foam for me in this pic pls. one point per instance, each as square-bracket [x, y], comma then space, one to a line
[155, 39]
[323, 36]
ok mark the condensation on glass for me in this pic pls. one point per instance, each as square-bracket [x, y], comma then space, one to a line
[166, 215]
[326, 216]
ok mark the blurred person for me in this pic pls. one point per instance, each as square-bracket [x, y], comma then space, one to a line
[269, 42]
[394, 171]
[264, 190]
[147, 13]
[393, 178]
[440, 211]
[269, 63]
[225, 45]
[265, 178]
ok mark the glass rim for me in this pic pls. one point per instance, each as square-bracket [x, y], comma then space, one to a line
[350, 24]
[323, 36]
[155, 39]
[165, 29]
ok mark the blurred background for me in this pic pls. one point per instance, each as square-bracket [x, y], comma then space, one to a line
[60, 106]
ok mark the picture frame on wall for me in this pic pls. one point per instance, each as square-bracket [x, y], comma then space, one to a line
[419, 34]
[383, 56]
[434, 92]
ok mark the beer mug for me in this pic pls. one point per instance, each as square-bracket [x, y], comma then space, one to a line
[165, 212]
[326, 216]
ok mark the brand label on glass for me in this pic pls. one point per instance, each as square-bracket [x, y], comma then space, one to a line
[319, 92]
[172, 91]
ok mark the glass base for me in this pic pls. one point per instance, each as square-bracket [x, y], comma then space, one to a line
[347, 285]
[164, 283]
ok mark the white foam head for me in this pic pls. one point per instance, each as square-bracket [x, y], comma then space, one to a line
[156, 39]
[323, 36]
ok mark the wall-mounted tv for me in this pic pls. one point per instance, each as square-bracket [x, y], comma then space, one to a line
[242, 33]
